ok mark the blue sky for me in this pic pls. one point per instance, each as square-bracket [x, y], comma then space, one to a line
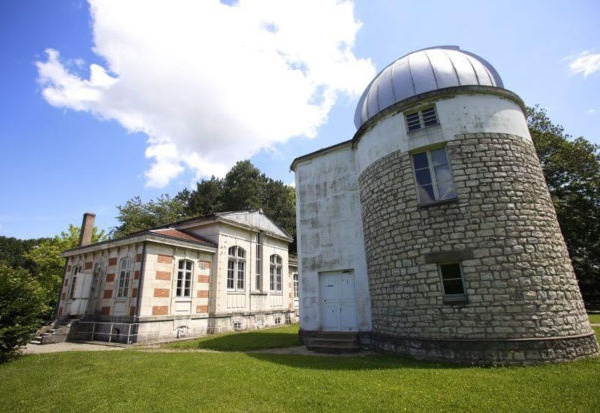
[105, 101]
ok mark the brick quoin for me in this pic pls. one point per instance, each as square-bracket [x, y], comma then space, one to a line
[202, 293]
[134, 292]
[160, 310]
[88, 265]
[138, 258]
[132, 311]
[136, 275]
[105, 310]
[165, 259]
[202, 309]
[64, 296]
[110, 277]
[161, 292]
[163, 275]
[66, 281]
[68, 268]
[108, 293]
[112, 261]
[203, 278]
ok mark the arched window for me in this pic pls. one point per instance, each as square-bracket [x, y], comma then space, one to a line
[275, 279]
[124, 275]
[184, 279]
[236, 268]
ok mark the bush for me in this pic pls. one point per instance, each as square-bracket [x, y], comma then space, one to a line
[22, 303]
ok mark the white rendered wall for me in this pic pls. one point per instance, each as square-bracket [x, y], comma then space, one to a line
[330, 234]
[460, 114]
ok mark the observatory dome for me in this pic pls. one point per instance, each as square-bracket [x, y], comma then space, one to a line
[424, 71]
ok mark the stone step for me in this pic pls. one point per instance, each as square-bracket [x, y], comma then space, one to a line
[334, 348]
[318, 340]
[36, 341]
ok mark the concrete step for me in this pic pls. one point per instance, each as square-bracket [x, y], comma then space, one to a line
[334, 348]
[333, 342]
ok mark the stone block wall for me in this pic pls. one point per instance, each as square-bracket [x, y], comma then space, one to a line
[502, 228]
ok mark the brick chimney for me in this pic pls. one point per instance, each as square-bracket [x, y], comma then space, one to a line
[87, 225]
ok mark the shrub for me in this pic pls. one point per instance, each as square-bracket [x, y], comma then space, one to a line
[22, 303]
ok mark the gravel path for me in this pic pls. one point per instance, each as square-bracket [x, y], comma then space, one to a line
[67, 346]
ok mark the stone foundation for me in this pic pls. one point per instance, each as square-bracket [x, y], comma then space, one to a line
[489, 352]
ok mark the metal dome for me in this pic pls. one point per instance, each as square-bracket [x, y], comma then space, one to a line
[423, 71]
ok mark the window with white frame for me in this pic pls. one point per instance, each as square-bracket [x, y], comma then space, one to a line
[433, 176]
[236, 268]
[452, 282]
[258, 276]
[124, 277]
[76, 270]
[184, 278]
[296, 285]
[420, 119]
[275, 273]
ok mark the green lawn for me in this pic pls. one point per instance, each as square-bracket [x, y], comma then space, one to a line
[594, 318]
[252, 340]
[133, 380]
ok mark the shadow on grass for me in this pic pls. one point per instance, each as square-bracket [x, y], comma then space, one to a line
[358, 362]
[241, 342]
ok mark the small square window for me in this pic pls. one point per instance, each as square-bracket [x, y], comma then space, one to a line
[453, 283]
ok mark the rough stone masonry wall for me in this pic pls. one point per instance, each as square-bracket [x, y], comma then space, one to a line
[518, 277]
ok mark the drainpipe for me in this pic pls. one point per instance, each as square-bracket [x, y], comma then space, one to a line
[138, 310]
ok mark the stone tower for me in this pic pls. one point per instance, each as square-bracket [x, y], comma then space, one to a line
[465, 259]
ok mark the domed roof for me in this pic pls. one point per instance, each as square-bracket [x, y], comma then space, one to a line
[423, 71]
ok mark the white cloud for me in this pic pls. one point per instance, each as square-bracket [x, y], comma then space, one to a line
[585, 63]
[590, 111]
[209, 83]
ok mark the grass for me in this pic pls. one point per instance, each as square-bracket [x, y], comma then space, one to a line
[252, 340]
[139, 381]
[594, 318]
[235, 381]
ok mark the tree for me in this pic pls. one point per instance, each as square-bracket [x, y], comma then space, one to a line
[572, 171]
[138, 216]
[22, 305]
[243, 188]
[48, 265]
[207, 197]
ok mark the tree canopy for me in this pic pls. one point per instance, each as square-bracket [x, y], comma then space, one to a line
[572, 171]
[243, 188]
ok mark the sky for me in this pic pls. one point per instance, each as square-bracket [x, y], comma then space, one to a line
[102, 101]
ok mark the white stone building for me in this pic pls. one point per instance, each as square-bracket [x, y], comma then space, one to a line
[431, 232]
[227, 271]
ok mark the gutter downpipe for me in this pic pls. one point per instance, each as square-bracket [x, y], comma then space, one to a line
[140, 284]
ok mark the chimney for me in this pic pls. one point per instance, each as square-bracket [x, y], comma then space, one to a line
[87, 225]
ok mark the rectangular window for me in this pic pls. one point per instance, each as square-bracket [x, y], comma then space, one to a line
[421, 118]
[258, 285]
[124, 275]
[240, 278]
[452, 281]
[184, 279]
[76, 270]
[230, 274]
[433, 176]
[296, 285]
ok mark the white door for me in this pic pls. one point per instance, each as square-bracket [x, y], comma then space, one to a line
[338, 302]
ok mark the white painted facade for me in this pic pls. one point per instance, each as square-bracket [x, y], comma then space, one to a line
[331, 238]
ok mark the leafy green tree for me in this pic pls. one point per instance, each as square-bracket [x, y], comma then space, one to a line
[48, 265]
[243, 187]
[206, 198]
[136, 215]
[572, 171]
[12, 251]
[22, 306]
